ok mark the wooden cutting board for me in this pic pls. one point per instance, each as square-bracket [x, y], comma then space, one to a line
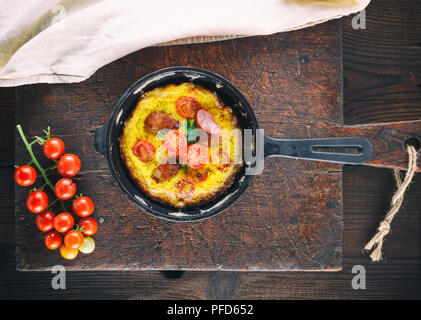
[290, 218]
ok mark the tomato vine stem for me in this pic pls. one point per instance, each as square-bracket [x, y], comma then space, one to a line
[35, 161]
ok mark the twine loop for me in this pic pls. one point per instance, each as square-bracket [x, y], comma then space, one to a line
[384, 228]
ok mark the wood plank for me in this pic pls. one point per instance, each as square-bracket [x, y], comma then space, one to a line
[383, 64]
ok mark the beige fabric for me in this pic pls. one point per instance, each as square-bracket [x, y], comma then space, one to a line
[68, 40]
[200, 39]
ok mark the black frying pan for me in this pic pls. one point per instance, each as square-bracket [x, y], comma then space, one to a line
[107, 143]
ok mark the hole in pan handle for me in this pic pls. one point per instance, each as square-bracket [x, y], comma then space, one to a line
[347, 150]
[99, 139]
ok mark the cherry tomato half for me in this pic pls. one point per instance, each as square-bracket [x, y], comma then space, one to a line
[175, 143]
[185, 187]
[73, 239]
[197, 155]
[53, 240]
[44, 221]
[65, 188]
[89, 225]
[206, 122]
[144, 150]
[222, 161]
[187, 107]
[53, 148]
[68, 253]
[68, 165]
[37, 201]
[63, 222]
[83, 206]
[197, 176]
[25, 176]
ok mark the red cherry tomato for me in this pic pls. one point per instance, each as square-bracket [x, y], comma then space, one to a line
[53, 240]
[197, 156]
[44, 221]
[185, 187]
[144, 150]
[187, 107]
[83, 206]
[68, 165]
[175, 143]
[65, 188]
[25, 176]
[63, 222]
[53, 148]
[73, 239]
[206, 122]
[89, 225]
[37, 201]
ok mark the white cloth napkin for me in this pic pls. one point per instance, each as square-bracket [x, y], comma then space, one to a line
[68, 40]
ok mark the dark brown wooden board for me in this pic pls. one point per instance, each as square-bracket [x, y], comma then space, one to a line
[290, 218]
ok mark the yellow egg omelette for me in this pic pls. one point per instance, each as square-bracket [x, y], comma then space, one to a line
[181, 145]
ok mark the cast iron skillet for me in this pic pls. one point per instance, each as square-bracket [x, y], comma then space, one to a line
[107, 143]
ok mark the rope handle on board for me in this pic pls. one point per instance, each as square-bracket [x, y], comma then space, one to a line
[384, 228]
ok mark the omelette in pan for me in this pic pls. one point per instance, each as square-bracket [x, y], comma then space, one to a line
[181, 145]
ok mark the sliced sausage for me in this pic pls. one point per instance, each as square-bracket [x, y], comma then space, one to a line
[206, 122]
[160, 120]
[164, 172]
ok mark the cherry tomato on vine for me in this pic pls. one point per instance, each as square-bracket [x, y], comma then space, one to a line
[68, 165]
[53, 240]
[87, 246]
[44, 221]
[89, 225]
[37, 201]
[25, 176]
[68, 253]
[65, 188]
[63, 222]
[73, 239]
[53, 148]
[83, 206]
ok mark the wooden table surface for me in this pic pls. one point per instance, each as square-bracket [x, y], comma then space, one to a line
[382, 82]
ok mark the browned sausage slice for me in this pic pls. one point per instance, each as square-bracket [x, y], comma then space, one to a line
[159, 120]
[164, 172]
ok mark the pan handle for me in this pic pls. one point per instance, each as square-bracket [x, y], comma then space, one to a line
[99, 139]
[348, 150]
